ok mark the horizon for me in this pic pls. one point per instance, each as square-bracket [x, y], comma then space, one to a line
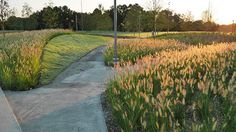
[222, 12]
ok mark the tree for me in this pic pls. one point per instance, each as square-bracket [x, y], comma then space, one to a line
[4, 13]
[207, 18]
[50, 17]
[165, 20]
[155, 9]
[103, 21]
[188, 17]
[14, 23]
[122, 11]
[49, 3]
[26, 10]
[177, 22]
[133, 18]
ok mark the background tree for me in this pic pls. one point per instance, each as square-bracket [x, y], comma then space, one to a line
[165, 20]
[207, 18]
[133, 18]
[155, 9]
[50, 17]
[188, 16]
[4, 13]
[100, 19]
[26, 10]
[25, 13]
[122, 11]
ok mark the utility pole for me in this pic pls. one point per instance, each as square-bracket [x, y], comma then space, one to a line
[168, 20]
[233, 28]
[139, 24]
[76, 22]
[115, 36]
[82, 16]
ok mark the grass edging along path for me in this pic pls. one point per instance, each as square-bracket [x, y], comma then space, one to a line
[63, 50]
[20, 58]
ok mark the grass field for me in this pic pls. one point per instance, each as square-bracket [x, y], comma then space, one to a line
[61, 51]
[120, 34]
[192, 89]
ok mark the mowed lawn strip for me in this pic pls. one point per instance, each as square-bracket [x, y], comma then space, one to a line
[61, 51]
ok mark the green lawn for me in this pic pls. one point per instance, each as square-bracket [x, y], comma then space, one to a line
[136, 34]
[120, 34]
[61, 51]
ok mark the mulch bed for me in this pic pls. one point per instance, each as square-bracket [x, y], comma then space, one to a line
[112, 125]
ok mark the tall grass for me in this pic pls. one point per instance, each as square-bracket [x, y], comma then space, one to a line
[130, 50]
[187, 90]
[195, 38]
[20, 58]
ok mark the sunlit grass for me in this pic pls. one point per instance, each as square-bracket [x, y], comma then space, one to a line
[133, 49]
[195, 38]
[61, 51]
[177, 90]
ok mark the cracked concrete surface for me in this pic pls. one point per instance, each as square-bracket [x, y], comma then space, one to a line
[71, 103]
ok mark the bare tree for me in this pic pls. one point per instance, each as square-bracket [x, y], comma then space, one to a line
[207, 15]
[49, 3]
[101, 8]
[155, 8]
[26, 10]
[4, 13]
[12, 12]
[188, 17]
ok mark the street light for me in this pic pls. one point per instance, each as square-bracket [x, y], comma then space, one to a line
[233, 27]
[82, 16]
[168, 29]
[115, 36]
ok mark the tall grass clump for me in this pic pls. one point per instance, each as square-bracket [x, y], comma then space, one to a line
[130, 50]
[195, 38]
[20, 58]
[187, 90]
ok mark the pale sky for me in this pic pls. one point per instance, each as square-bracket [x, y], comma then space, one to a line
[224, 11]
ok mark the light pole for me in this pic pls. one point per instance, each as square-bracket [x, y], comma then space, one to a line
[139, 24]
[168, 24]
[76, 22]
[115, 36]
[82, 17]
[233, 27]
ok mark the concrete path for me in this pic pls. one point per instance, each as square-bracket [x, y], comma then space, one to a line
[70, 104]
[8, 122]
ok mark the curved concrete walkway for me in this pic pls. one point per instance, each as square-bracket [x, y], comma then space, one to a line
[70, 104]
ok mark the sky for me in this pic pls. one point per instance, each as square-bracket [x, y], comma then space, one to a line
[224, 11]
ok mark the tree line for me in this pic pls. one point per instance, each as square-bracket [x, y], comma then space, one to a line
[132, 18]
